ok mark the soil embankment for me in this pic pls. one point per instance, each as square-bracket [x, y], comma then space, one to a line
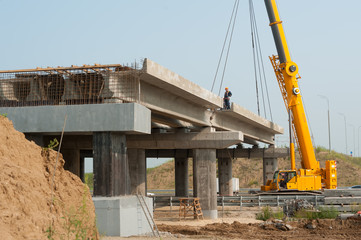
[29, 207]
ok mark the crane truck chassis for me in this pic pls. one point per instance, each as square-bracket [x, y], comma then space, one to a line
[310, 176]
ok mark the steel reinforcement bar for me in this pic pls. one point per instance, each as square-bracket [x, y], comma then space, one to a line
[69, 85]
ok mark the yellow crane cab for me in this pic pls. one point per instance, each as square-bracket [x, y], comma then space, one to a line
[283, 180]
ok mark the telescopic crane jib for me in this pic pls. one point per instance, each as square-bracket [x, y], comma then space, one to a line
[310, 176]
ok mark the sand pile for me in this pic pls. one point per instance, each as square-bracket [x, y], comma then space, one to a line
[26, 209]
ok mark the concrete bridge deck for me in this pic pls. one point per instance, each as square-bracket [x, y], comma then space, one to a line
[119, 115]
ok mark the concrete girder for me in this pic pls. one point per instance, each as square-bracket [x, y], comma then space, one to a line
[179, 140]
[167, 93]
[249, 131]
[163, 78]
[168, 104]
[222, 153]
[170, 122]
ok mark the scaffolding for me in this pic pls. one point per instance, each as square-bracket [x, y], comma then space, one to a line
[87, 84]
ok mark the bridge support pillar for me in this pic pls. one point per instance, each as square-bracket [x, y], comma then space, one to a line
[225, 177]
[181, 177]
[204, 181]
[72, 161]
[36, 138]
[270, 165]
[137, 171]
[111, 169]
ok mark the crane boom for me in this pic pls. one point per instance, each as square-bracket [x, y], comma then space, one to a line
[310, 176]
[294, 100]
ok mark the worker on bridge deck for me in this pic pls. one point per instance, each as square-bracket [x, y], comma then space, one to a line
[226, 99]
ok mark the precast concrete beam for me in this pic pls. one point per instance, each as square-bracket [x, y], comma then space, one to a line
[222, 153]
[159, 76]
[168, 94]
[165, 103]
[180, 140]
[256, 130]
[253, 152]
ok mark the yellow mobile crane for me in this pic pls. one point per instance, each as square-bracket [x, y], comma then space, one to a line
[310, 177]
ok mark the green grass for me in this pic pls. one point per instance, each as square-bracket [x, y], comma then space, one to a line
[320, 213]
[89, 180]
[268, 213]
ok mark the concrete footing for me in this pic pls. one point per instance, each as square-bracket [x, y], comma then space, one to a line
[122, 216]
[204, 181]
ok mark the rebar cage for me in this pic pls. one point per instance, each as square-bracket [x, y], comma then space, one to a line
[70, 85]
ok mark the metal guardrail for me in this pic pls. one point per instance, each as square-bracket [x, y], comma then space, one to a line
[172, 191]
[244, 201]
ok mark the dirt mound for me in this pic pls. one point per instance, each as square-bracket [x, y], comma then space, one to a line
[29, 209]
[330, 229]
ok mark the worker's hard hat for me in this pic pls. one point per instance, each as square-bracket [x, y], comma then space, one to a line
[226, 88]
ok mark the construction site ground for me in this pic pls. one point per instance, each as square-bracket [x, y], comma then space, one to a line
[234, 223]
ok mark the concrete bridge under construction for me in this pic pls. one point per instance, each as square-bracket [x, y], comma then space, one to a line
[122, 115]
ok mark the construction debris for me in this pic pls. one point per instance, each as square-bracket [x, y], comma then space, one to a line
[294, 205]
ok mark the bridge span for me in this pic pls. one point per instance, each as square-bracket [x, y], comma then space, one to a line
[121, 115]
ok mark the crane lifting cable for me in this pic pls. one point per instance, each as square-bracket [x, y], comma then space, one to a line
[224, 44]
[228, 39]
[258, 63]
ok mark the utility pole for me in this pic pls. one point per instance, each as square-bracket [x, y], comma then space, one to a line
[354, 146]
[329, 126]
[358, 140]
[344, 117]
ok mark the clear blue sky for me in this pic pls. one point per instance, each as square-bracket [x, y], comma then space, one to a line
[186, 36]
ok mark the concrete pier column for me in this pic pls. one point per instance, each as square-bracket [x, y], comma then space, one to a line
[204, 181]
[225, 177]
[270, 165]
[181, 177]
[137, 171]
[111, 169]
[72, 161]
[37, 138]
